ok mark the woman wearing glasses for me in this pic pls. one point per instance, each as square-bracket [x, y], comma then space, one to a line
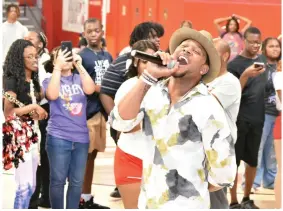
[20, 73]
[39, 41]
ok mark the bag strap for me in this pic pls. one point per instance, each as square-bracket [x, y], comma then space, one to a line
[12, 99]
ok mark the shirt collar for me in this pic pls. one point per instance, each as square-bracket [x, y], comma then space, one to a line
[201, 88]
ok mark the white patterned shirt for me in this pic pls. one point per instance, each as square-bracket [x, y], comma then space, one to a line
[192, 147]
[228, 91]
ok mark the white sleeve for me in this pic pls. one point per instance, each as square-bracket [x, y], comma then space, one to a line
[124, 89]
[25, 31]
[115, 119]
[227, 92]
[41, 70]
[219, 149]
[277, 80]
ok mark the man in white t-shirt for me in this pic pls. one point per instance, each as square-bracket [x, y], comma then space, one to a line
[12, 29]
[226, 88]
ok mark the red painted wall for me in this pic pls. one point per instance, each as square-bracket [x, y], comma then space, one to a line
[94, 10]
[170, 15]
[52, 11]
[277, 128]
[125, 14]
[112, 28]
[265, 14]
[28, 2]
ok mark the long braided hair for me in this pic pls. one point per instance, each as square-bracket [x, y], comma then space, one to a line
[14, 66]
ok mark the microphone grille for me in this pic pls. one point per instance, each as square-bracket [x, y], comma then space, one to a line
[171, 64]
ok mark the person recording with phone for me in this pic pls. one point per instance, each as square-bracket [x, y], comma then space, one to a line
[251, 113]
[67, 133]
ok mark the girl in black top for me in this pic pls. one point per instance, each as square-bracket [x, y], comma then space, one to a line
[20, 70]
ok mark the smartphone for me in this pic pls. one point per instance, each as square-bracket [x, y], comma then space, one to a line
[259, 64]
[67, 45]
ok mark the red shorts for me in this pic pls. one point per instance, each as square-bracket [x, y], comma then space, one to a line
[277, 128]
[127, 168]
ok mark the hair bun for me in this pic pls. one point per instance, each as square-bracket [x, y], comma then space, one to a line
[43, 39]
[48, 66]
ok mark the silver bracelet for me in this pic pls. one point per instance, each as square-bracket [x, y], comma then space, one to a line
[149, 75]
[149, 78]
[147, 81]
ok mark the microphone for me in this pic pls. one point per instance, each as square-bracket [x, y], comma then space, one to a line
[151, 58]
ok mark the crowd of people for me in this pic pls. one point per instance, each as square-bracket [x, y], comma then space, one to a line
[181, 130]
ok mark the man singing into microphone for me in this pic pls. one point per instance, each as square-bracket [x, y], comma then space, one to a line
[192, 151]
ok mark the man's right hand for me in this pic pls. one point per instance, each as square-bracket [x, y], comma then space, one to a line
[253, 71]
[162, 71]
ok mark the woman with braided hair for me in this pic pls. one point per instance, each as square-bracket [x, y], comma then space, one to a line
[39, 40]
[20, 71]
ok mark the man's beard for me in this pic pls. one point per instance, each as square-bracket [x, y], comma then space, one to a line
[180, 75]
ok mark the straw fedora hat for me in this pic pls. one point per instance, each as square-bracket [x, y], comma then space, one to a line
[205, 39]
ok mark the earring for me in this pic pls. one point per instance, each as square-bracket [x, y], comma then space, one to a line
[135, 65]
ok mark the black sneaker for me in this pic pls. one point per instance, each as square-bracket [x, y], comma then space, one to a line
[115, 194]
[248, 205]
[235, 206]
[33, 205]
[90, 204]
[82, 204]
[44, 203]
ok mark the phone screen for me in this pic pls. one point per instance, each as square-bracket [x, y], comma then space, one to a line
[67, 45]
[259, 64]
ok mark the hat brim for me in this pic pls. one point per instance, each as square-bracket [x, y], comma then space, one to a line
[185, 33]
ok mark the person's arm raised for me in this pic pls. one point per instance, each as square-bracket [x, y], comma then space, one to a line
[248, 22]
[53, 89]
[87, 82]
[129, 107]
[217, 22]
